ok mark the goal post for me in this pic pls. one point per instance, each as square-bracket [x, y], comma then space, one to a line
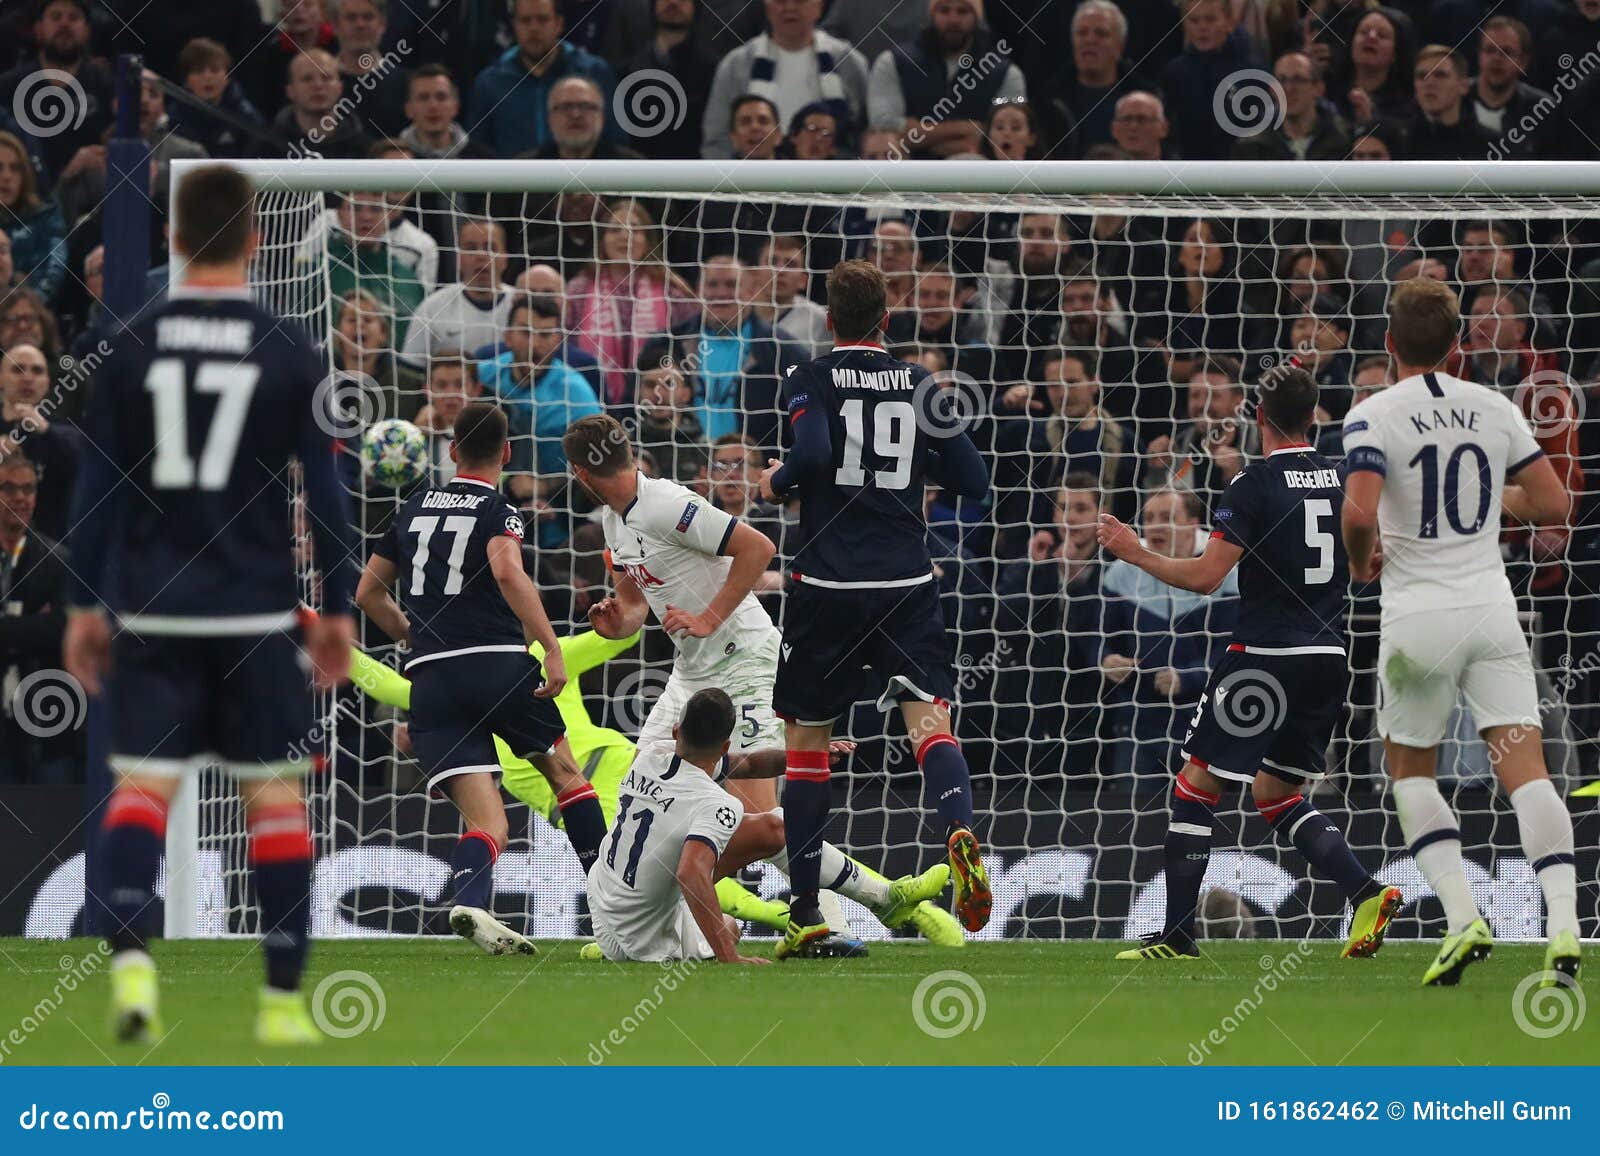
[1100, 324]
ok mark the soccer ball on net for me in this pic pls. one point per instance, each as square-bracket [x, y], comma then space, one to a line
[394, 453]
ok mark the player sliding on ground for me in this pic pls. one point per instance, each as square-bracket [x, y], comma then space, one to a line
[193, 510]
[1427, 463]
[1269, 709]
[696, 566]
[868, 434]
[454, 554]
[605, 755]
[653, 894]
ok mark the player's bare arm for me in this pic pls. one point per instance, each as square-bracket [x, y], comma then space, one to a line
[505, 562]
[1537, 496]
[769, 764]
[750, 550]
[1359, 523]
[375, 597]
[1201, 574]
[696, 870]
[624, 613]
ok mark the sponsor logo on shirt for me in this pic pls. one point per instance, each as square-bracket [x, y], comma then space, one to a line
[689, 512]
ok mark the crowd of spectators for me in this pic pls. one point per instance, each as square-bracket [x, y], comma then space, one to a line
[1111, 355]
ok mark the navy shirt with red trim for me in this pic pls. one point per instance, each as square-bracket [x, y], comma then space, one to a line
[1294, 577]
[870, 431]
[439, 543]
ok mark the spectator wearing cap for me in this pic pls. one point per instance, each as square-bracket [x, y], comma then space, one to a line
[64, 143]
[1502, 96]
[1309, 130]
[938, 89]
[509, 109]
[675, 49]
[1442, 128]
[1202, 79]
[791, 65]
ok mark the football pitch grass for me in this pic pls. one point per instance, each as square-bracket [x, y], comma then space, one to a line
[1030, 1002]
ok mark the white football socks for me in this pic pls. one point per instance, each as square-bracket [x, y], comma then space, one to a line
[1546, 828]
[1429, 826]
[844, 875]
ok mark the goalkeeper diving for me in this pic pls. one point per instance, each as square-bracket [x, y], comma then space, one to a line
[605, 755]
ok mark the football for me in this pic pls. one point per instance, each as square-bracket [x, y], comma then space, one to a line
[394, 454]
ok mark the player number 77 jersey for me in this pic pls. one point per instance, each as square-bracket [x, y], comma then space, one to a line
[1444, 448]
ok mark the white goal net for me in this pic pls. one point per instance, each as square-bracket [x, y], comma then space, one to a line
[1102, 326]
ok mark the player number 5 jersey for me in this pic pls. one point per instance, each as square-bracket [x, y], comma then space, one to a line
[670, 541]
[1444, 448]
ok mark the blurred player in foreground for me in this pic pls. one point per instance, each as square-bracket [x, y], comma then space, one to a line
[1269, 710]
[454, 554]
[1428, 462]
[196, 416]
[870, 432]
[604, 756]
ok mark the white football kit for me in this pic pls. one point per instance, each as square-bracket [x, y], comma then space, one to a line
[670, 542]
[1449, 621]
[638, 910]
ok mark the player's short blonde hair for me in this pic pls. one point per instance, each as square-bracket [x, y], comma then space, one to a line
[1424, 321]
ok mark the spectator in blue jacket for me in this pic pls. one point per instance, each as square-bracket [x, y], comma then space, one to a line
[38, 234]
[542, 394]
[509, 110]
[1214, 50]
[1160, 640]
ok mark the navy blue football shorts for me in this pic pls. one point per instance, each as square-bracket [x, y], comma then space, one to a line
[1269, 709]
[179, 703]
[459, 704]
[842, 646]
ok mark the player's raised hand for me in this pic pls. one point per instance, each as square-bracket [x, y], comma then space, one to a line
[678, 621]
[1118, 538]
[767, 492]
[329, 638]
[606, 618]
[86, 648]
[555, 675]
